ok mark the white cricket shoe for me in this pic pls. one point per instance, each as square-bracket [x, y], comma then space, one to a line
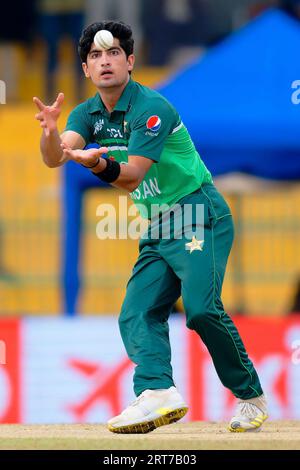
[153, 408]
[249, 415]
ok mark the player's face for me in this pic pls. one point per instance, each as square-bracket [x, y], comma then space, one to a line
[108, 68]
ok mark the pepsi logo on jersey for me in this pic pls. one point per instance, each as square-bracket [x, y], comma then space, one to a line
[153, 123]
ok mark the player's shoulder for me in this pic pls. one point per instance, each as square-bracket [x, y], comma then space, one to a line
[148, 99]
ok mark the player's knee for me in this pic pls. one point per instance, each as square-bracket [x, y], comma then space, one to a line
[203, 311]
[200, 316]
[127, 318]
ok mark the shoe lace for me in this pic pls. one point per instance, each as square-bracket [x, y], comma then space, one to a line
[137, 400]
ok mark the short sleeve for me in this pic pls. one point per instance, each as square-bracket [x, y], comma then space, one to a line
[78, 122]
[151, 128]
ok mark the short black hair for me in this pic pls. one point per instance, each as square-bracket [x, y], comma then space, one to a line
[118, 29]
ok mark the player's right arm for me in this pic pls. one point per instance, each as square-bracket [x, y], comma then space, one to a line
[51, 140]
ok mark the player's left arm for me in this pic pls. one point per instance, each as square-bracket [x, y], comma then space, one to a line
[130, 175]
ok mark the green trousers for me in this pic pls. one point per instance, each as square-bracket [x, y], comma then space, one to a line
[169, 267]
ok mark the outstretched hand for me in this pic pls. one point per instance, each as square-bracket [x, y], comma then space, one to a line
[48, 115]
[86, 157]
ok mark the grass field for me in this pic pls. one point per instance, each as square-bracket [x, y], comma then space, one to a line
[277, 435]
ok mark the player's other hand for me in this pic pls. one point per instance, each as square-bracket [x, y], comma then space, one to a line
[86, 157]
[48, 115]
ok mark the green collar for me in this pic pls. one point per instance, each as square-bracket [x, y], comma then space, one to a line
[123, 103]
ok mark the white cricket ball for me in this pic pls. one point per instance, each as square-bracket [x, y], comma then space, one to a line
[103, 39]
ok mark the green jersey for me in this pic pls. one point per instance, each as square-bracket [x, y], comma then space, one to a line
[144, 123]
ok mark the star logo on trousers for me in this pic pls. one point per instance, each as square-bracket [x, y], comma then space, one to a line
[195, 245]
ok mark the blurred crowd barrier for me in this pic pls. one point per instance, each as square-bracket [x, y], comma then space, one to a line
[263, 268]
[76, 371]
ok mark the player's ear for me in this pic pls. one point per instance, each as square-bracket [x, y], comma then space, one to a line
[130, 62]
[85, 70]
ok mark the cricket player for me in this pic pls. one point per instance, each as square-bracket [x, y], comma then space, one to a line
[151, 155]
